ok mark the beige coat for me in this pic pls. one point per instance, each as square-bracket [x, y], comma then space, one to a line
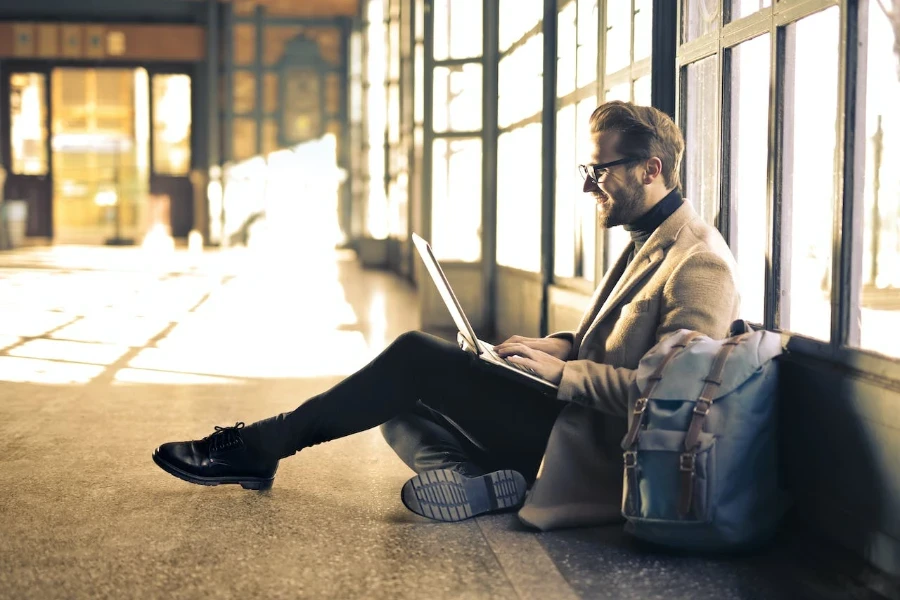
[682, 278]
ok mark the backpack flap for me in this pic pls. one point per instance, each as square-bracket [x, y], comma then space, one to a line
[685, 375]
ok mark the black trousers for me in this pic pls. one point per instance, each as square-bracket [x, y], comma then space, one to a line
[435, 408]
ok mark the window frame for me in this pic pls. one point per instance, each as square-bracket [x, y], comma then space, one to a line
[848, 167]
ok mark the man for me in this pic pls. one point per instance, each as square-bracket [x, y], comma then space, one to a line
[475, 439]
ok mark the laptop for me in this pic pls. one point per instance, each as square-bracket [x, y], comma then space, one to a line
[467, 339]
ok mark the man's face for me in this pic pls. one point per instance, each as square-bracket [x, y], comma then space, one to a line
[620, 197]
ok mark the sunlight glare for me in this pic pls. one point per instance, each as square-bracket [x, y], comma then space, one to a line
[29, 370]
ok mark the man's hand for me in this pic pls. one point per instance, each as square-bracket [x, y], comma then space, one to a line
[556, 347]
[541, 363]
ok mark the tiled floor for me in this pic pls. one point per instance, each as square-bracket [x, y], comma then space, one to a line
[105, 353]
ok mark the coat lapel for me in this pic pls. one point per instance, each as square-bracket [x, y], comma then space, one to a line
[644, 262]
[604, 289]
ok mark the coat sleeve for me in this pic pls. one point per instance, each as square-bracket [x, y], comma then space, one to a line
[701, 295]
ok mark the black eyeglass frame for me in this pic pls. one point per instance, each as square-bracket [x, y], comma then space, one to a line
[592, 170]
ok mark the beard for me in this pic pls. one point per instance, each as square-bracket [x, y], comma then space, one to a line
[626, 207]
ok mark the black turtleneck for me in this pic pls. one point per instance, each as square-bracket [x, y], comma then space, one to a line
[643, 228]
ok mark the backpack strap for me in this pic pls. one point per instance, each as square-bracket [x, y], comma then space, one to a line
[640, 405]
[686, 466]
[637, 418]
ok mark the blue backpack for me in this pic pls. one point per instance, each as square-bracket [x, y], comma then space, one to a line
[701, 470]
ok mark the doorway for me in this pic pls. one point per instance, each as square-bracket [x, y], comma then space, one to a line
[100, 154]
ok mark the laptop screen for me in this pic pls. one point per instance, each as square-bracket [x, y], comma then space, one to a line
[443, 286]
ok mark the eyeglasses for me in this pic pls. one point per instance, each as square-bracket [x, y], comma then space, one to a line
[598, 172]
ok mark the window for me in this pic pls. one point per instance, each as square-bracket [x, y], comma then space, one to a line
[743, 8]
[699, 17]
[810, 108]
[171, 124]
[701, 137]
[568, 186]
[28, 123]
[519, 145]
[519, 198]
[457, 29]
[456, 199]
[456, 180]
[457, 97]
[376, 114]
[518, 17]
[588, 54]
[749, 135]
[880, 290]
[521, 81]
[618, 35]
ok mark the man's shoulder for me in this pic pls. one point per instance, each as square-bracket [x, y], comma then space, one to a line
[699, 236]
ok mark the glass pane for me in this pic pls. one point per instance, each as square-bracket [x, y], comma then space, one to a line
[585, 206]
[393, 114]
[518, 17]
[521, 82]
[699, 17]
[618, 36]
[419, 83]
[171, 124]
[243, 144]
[420, 20]
[588, 27]
[749, 158]
[566, 51]
[880, 301]
[519, 198]
[701, 138]
[809, 164]
[643, 29]
[28, 123]
[457, 29]
[568, 188]
[100, 160]
[244, 92]
[642, 94]
[456, 199]
[394, 50]
[376, 121]
[742, 8]
[457, 97]
[621, 91]
[269, 136]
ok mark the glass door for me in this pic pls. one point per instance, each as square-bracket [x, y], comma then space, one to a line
[24, 97]
[100, 161]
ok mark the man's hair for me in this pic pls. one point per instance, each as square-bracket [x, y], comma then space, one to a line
[644, 131]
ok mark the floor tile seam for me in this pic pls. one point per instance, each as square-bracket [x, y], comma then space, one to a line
[106, 377]
[550, 572]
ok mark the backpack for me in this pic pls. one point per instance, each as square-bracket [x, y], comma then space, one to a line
[700, 452]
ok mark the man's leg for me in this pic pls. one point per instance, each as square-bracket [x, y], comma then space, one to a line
[426, 440]
[415, 366]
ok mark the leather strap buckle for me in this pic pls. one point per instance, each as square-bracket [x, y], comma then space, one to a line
[686, 462]
[701, 407]
[640, 405]
[630, 457]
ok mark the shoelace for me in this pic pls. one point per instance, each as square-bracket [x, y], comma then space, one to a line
[225, 437]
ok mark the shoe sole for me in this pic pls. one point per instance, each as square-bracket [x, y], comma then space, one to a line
[446, 495]
[248, 483]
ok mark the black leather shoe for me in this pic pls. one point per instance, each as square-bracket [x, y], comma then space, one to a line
[221, 457]
[447, 495]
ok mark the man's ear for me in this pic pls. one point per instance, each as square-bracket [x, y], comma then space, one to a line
[652, 170]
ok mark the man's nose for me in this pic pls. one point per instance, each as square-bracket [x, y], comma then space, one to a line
[589, 185]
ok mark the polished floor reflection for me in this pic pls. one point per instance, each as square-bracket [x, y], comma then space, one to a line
[107, 352]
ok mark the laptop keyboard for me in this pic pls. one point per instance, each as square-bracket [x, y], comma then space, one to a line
[522, 368]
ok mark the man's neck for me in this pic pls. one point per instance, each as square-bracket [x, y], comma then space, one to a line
[643, 227]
